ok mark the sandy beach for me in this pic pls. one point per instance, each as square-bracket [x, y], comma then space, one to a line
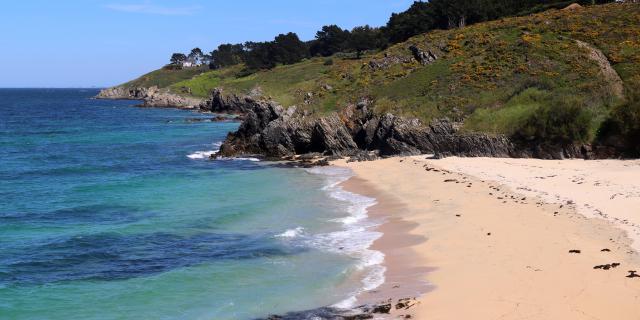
[480, 238]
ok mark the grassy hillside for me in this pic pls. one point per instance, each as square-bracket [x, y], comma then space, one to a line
[165, 77]
[499, 77]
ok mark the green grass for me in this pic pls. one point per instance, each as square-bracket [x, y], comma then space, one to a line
[286, 83]
[163, 78]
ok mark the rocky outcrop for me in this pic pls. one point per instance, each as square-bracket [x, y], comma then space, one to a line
[424, 57]
[151, 97]
[612, 77]
[275, 132]
[164, 99]
[231, 104]
[401, 307]
[123, 93]
[388, 61]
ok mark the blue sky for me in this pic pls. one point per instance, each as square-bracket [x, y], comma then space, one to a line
[103, 42]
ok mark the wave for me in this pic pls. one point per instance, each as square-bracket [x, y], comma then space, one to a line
[357, 235]
[208, 153]
[238, 159]
[202, 154]
[291, 233]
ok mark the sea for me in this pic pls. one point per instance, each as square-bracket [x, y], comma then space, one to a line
[112, 211]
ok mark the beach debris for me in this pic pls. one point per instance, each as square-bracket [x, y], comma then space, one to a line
[574, 251]
[607, 266]
[605, 250]
[488, 233]
[382, 308]
[632, 274]
[451, 180]
[405, 303]
[457, 215]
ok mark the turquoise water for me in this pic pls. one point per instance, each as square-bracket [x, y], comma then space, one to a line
[110, 211]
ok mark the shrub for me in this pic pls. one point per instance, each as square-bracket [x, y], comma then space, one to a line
[622, 128]
[328, 62]
[563, 121]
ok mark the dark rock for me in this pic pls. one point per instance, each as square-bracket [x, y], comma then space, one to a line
[424, 57]
[383, 308]
[232, 104]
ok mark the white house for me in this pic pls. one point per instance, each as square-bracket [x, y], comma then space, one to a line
[190, 63]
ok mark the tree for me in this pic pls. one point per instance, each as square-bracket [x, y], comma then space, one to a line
[178, 58]
[196, 55]
[415, 20]
[259, 55]
[227, 55]
[330, 40]
[285, 49]
[288, 49]
[365, 38]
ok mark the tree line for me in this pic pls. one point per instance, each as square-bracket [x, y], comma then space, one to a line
[421, 17]
[289, 49]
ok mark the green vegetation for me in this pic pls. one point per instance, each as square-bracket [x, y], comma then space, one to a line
[524, 76]
[165, 77]
[622, 129]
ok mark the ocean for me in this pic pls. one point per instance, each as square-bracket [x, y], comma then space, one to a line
[110, 211]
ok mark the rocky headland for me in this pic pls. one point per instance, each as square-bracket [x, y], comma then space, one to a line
[150, 97]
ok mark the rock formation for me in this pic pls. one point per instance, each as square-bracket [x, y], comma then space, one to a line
[151, 97]
[275, 132]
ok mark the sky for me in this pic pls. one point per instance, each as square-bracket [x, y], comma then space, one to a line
[100, 43]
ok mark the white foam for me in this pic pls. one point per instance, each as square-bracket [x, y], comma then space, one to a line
[291, 233]
[237, 159]
[205, 154]
[245, 159]
[357, 235]
[202, 154]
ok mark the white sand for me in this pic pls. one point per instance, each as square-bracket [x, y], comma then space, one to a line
[602, 188]
[495, 250]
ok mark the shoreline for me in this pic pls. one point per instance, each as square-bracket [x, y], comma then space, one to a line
[395, 243]
[475, 248]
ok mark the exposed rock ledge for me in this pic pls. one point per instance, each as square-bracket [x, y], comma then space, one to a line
[275, 132]
[151, 97]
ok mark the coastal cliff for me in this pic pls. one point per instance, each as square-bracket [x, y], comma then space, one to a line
[276, 132]
[150, 97]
